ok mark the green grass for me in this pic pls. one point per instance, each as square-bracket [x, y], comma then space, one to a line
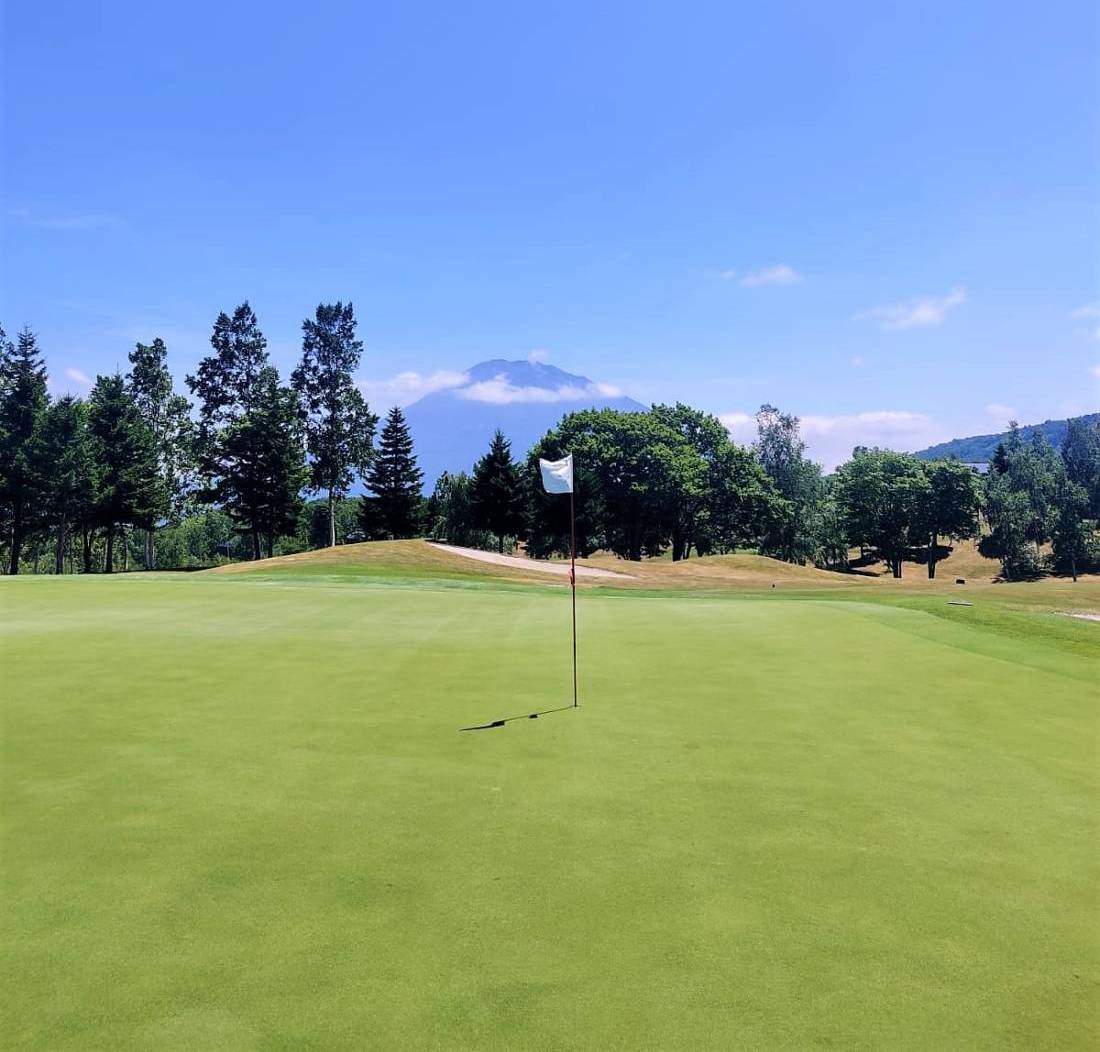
[238, 813]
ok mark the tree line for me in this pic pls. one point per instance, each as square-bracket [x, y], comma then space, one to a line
[246, 465]
[96, 482]
[670, 480]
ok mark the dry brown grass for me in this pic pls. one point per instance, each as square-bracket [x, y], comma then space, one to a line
[418, 559]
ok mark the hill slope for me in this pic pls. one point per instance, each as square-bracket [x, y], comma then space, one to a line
[453, 428]
[978, 449]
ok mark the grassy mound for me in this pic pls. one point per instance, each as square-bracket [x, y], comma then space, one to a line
[414, 560]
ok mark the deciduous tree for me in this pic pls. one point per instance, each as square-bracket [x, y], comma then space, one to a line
[781, 453]
[883, 495]
[339, 424]
[950, 508]
[168, 416]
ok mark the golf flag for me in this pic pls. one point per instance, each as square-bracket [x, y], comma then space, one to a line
[557, 475]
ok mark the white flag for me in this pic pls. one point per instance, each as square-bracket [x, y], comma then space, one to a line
[557, 475]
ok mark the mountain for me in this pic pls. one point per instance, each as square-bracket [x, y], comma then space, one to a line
[452, 428]
[980, 448]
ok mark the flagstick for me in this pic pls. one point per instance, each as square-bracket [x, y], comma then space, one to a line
[573, 585]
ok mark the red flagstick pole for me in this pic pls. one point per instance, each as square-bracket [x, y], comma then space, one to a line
[573, 584]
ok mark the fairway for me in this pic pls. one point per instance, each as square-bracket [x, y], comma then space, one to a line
[239, 813]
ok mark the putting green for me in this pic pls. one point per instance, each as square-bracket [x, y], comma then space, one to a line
[239, 813]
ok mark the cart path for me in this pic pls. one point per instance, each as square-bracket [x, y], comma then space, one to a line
[538, 565]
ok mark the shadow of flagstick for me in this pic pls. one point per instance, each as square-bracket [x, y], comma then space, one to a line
[509, 719]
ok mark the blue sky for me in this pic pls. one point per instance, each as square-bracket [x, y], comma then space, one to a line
[882, 217]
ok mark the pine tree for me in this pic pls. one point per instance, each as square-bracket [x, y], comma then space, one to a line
[129, 491]
[23, 402]
[395, 481]
[265, 472]
[278, 423]
[168, 416]
[70, 491]
[246, 471]
[497, 492]
[339, 425]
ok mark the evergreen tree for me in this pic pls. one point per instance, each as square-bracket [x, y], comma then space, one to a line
[227, 381]
[70, 491]
[497, 497]
[278, 423]
[247, 471]
[168, 416]
[339, 425]
[129, 491]
[264, 464]
[395, 481]
[23, 402]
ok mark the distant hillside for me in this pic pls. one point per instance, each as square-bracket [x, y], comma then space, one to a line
[980, 448]
[451, 429]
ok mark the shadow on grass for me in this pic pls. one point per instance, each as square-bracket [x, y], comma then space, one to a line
[508, 719]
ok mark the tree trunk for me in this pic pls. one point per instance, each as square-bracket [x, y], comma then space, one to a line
[677, 545]
[256, 552]
[125, 551]
[932, 558]
[895, 566]
[500, 543]
[331, 520]
[16, 539]
[109, 555]
[1073, 566]
[86, 551]
[59, 555]
[150, 550]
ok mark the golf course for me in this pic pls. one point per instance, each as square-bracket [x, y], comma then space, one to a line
[794, 808]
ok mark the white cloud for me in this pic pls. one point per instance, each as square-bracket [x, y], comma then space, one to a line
[1001, 413]
[931, 310]
[1095, 371]
[499, 391]
[78, 377]
[741, 426]
[780, 274]
[831, 439]
[1090, 312]
[407, 387]
[538, 356]
[857, 361]
[881, 421]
